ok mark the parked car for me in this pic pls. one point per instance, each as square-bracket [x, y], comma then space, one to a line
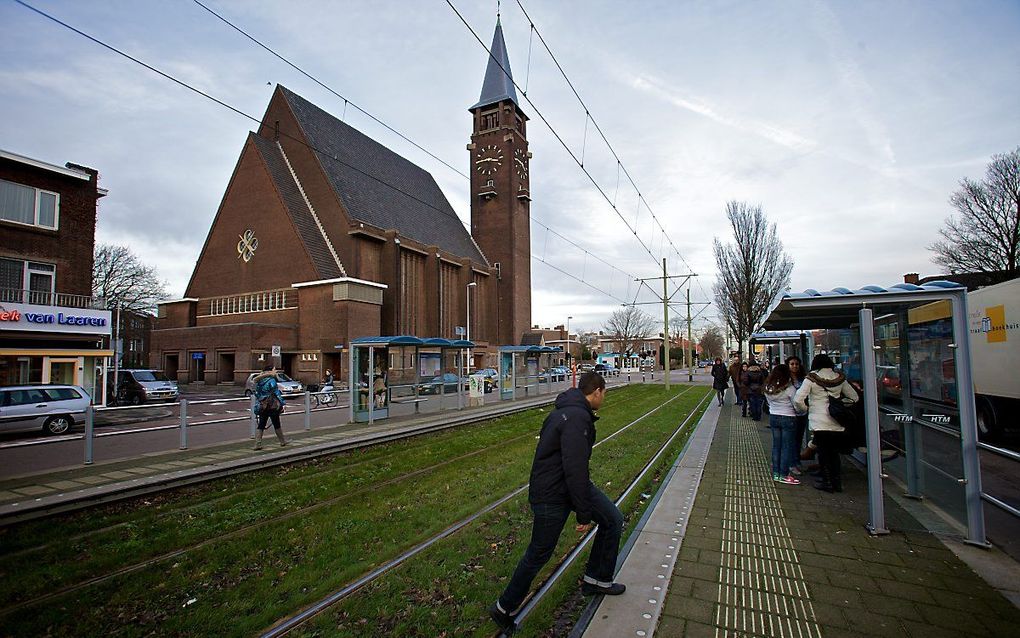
[54, 408]
[447, 381]
[138, 386]
[586, 367]
[606, 370]
[562, 372]
[491, 378]
[287, 385]
[889, 383]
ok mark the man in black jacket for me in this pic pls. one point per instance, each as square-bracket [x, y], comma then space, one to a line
[560, 484]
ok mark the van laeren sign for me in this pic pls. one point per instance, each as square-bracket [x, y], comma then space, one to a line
[32, 318]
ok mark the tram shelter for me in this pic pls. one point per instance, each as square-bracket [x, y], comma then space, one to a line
[521, 367]
[924, 424]
[783, 344]
[384, 371]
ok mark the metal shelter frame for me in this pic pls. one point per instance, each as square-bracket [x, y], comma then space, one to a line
[522, 354]
[411, 381]
[842, 308]
[790, 342]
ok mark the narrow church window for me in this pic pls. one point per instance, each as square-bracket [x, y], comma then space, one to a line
[490, 120]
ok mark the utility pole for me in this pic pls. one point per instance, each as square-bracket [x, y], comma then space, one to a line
[690, 356]
[665, 323]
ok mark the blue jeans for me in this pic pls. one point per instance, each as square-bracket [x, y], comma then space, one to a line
[785, 448]
[545, 533]
[755, 399]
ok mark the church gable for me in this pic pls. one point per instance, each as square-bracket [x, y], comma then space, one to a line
[253, 243]
[379, 187]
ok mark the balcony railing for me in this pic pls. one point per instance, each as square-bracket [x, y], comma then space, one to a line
[62, 299]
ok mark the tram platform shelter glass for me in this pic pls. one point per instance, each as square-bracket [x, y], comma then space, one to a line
[521, 368]
[390, 371]
[908, 348]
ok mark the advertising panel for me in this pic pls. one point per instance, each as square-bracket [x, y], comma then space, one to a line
[22, 317]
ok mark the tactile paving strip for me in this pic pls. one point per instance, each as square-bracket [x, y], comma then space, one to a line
[762, 591]
[647, 568]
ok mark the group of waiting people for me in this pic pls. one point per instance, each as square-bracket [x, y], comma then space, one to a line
[798, 402]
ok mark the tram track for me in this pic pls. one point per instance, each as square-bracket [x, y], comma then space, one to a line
[289, 624]
[246, 529]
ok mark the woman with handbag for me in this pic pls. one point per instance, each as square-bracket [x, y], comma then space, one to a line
[268, 405]
[822, 386]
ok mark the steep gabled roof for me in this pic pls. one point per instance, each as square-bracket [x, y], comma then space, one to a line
[379, 187]
[315, 244]
[498, 84]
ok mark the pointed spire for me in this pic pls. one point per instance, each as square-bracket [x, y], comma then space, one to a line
[498, 84]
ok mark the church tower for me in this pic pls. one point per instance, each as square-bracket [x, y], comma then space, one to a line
[500, 197]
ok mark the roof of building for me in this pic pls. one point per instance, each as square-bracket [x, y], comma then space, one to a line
[308, 231]
[974, 280]
[498, 84]
[379, 187]
[533, 338]
[69, 171]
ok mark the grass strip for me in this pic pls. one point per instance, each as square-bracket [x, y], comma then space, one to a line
[446, 590]
[222, 588]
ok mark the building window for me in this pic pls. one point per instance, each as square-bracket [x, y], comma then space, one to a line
[26, 281]
[26, 205]
[490, 120]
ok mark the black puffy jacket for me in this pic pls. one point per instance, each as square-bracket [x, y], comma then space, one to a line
[559, 473]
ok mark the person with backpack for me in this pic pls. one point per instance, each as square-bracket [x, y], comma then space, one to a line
[779, 391]
[754, 380]
[268, 405]
[720, 379]
[560, 483]
[824, 395]
[735, 371]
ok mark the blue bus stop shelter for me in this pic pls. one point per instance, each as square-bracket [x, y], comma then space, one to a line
[910, 349]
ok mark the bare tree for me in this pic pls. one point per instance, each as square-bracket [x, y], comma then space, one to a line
[752, 270]
[628, 326]
[711, 343]
[120, 278]
[986, 235]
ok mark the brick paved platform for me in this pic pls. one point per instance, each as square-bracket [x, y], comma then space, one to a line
[765, 559]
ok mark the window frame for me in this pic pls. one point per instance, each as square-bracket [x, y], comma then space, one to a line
[27, 271]
[37, 201]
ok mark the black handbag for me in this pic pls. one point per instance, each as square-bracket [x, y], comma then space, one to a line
[841, 413]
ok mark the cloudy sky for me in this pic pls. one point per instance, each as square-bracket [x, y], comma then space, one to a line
[850, 122]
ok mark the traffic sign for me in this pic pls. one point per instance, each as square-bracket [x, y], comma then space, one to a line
[459, 331]
[276, 351]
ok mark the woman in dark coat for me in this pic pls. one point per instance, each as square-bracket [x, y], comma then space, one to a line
[720, 379]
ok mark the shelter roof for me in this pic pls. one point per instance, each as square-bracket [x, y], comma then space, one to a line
[837, 308]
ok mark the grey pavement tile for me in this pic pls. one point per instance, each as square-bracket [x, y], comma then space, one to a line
[64, 485]
[694, 629]
[703, 590]
[850, 580]
[871, 624]
[946, 617]
[832, 595]
[689, 609]
[91, 480]
[879, 603]
[904, 591]
[670, 627]
[828, 615]
[9, 496]
[118, 475]
[917, 629]
[697, 570]
[33, 490]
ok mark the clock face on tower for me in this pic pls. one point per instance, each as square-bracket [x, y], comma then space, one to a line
[488, 159]
[521, 163]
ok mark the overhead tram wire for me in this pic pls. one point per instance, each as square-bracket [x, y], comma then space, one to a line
[257, 120]
[347, 101]
[555, 133]
[598, 128]
[323, 85]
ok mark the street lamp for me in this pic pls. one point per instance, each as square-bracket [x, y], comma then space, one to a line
[468, 327]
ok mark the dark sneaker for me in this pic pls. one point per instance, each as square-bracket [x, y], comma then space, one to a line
[590, 589]
[502, 619]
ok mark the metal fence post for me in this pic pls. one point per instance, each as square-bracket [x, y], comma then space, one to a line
[184, 424]
[89, 424]
[253, 421]
[308, 411]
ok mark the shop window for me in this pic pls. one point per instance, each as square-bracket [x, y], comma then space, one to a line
[27, 205]
[20, 370]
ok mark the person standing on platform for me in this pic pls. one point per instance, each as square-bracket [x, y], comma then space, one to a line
[268, 405]
[560, 483]
[797, 375]
[754, 380]
[813, 396]
[735, 370]
[720, 379]
[779, 391]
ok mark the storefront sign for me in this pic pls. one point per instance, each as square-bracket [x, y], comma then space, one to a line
[32, 318]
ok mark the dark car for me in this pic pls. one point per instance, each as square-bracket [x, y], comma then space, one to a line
[448, 382]
[140, 386]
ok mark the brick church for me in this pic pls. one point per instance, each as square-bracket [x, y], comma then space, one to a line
[324, 235]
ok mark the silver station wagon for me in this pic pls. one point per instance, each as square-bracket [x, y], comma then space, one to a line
[53, 408]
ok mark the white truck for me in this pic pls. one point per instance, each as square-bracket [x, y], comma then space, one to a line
[994, 322]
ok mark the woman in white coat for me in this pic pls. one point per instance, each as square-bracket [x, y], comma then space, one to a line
[813, 396]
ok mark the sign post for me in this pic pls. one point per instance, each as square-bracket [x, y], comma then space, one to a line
[277, 352]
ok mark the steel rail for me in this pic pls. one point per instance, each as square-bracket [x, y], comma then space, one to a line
[285, 626]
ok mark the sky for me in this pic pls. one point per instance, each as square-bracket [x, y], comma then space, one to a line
[851, 123]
